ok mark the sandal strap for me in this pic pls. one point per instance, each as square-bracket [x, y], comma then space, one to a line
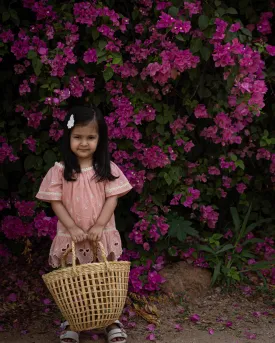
[71, 335]
[116, 333]
[64, 325]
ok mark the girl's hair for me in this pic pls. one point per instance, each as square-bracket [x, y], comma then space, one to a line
[83, 115]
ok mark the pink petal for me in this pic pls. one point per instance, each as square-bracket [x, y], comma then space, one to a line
[151, 327]
[131, 325]
[12, 297]
[178, 327]
[194, 318]
[94, 337]
[151, 337]
[229, 324]
[211, 331]
[257, 314]
[47, 301]
[250, 335]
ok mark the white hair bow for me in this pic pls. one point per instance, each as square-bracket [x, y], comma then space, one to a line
[70, 123]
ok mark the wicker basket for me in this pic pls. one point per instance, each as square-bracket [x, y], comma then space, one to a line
[89, 295]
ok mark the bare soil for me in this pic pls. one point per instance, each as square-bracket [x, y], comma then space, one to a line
[234, 318]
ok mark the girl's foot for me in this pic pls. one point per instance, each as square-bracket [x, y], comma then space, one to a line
[67, 335]
[116, 333]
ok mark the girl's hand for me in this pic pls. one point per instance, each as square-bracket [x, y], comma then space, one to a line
[77, 234]
[95, 233]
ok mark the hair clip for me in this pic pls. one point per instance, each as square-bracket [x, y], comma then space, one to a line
[70, 123]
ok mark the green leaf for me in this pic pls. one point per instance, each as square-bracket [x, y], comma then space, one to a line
[29, 162]
[95, 33]
[240, 164]
[242, 233]
[252, 241]
[205, 52]
[196, 44]
[37, 65]
[225, 248]
[117, 59]
[233, 157]
[49, 157]
[258, 223]
[5, 16]
[32, 54]
[102, 44]
[246, 32]
[236, 218]
[180, 38]
[231, 10]
[262, 265]
[206, 248]
[3, 182]
[167, 178]
[203, 22]
[204, 92]
[173, 11]
[216, 273]
[108, 74]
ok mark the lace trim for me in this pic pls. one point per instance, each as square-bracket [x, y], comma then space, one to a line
[61, 234]
[50, 193]
[82, 169]
[110, 190]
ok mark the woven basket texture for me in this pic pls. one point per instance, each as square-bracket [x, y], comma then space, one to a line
[91, 295]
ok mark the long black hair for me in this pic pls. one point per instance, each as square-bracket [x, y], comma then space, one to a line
[83, 115]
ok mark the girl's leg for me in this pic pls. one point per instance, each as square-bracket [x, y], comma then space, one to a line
[67, 335]
[116, 333]
[116, 329]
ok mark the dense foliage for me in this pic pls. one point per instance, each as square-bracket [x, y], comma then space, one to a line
[187, 92]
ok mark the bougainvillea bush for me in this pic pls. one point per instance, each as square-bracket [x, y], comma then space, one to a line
[187, 90]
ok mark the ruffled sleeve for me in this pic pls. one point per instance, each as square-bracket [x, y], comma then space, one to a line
[119, 186]
[51, 186]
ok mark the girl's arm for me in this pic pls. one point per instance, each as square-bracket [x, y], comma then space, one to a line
[108, 209]
[76, 232]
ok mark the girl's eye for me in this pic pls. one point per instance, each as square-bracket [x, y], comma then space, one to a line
[91, 137]
[76, 137]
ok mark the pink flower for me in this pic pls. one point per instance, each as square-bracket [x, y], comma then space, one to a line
[47, 301]
[271, 50]
[201, 112]
[211, 331]
[12, 297]
[151, 327]
[194, 318]
[31, 143]
[250, 335]
[228, 324]
[241, 187]
[235, 27]
[178, 327]
[90, 56]
[151, 337]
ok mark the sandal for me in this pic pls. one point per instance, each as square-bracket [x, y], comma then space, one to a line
[68, 336]
[117, 332]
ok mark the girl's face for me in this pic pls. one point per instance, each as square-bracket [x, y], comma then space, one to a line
[84, 140]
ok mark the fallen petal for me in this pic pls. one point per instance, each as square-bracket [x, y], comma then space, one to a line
[178, 327]
[194, 318]
[151, 337]
[211, 331]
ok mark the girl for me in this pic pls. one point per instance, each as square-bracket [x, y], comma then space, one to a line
[83, 190]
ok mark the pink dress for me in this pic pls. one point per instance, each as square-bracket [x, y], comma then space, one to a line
[84, 200]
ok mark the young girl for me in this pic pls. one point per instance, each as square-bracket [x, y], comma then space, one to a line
[83, 190]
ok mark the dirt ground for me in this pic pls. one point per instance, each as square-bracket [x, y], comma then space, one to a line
[234, 318]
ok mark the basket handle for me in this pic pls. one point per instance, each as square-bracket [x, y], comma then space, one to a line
[72, 249]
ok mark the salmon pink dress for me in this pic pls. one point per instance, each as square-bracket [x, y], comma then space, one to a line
[84, 200]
